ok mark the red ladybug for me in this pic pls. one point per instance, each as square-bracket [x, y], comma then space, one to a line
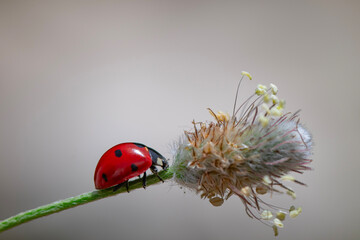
[125, 161]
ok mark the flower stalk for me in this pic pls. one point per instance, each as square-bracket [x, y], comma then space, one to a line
[75, 201]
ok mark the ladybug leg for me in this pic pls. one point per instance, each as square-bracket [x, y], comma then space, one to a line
[144, 180]
[117, 187]
[154, 171]
[127, 186]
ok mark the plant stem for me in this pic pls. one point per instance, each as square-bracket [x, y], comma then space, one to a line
[71, 202]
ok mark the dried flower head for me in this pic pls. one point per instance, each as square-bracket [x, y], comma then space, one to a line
[248, 154]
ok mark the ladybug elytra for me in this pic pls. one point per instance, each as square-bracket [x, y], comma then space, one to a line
[124, 161]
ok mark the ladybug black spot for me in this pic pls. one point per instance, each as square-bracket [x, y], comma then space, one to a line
[139, 145]
[118, 153]
[104, 177]
[134, 167]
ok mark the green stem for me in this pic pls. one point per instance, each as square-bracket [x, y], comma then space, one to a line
[71, 202]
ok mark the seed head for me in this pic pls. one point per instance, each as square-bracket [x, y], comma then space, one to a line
[246, 155]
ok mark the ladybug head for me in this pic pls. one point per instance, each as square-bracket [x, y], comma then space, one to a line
[158, 159]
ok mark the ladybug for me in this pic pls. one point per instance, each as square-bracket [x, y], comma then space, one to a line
[124, 161]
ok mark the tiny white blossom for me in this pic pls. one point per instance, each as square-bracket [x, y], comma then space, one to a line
[267, 180]
[275, 112]
[274, 88]
[261, 89]
[266, 215]
[291, 193]
[278, 223]
[274, 99]
[246, 74]
[264, 121]
[281, 215]
[288, 178]
[294, 212]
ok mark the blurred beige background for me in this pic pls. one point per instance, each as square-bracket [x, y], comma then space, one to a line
[77, 77]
